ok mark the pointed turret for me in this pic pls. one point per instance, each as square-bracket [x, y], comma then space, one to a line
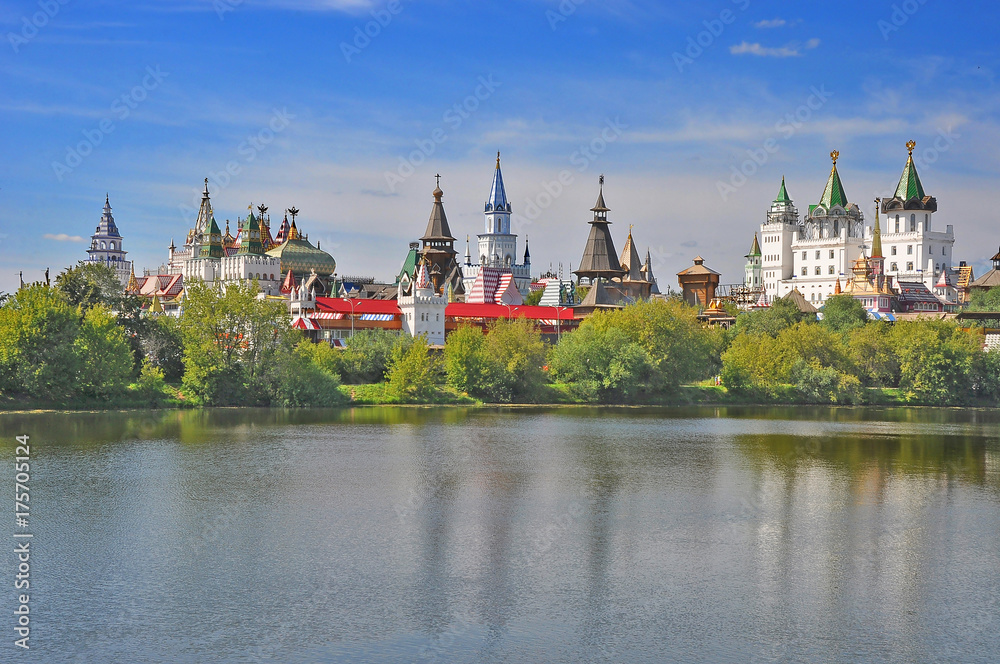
[755, 247]
[909, 182]
[647, 273]
[782, 193]
[211, 241]
[600, 260]
[909, 194]
[133, 284]
[834, 194]
[836, 289]
[527, 254]
[438, 243]
[630, 261]
[498, 196]
[250, 243]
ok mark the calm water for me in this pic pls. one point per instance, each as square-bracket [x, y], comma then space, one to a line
[597, 535]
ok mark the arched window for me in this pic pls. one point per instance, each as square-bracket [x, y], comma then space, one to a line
[104, 245]
[112, 246]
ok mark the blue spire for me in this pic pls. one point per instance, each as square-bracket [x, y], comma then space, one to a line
[498, 197]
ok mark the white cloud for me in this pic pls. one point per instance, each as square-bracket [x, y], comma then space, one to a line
[62, 237]
[772, 23]
[791, 50]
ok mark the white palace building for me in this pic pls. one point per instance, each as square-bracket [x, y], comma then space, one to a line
[814, 253]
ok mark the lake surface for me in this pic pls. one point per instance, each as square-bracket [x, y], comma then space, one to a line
[524, 535]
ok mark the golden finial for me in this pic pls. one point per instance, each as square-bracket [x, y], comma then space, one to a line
[498, 159]
[834, 155]
[910, 144]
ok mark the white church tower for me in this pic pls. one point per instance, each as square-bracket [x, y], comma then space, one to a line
[422, 309]
[106, 246]
[497, 245]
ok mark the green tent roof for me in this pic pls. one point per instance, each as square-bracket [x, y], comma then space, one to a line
[782, 193]
[834, 193]
[755, 247]
[909, 183]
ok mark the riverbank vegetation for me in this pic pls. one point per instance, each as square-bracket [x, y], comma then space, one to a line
[81, 343]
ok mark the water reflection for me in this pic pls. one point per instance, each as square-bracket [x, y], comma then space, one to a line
[474, 535]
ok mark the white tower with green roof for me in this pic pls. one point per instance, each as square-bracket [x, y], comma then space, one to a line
[810, 255]
[776, 234]
[914, 250]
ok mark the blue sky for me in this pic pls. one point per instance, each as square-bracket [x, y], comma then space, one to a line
[666, 99]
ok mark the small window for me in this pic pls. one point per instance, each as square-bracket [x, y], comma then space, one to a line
[805, 271]
[909, 249]
[818, 271]
[831, 254]
[897, 223]
[913, 222]
[817, 254]
[892, 250]
[804, 255]
[831, 270]
[894, 267]
[909, 267]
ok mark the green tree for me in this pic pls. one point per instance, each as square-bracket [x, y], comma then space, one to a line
[411, 372]
[88, 284]
[782, 313]
[534, 297]
[231, 340]
[369, 353]
[162, 345]
[753, 364]
[843, 313]
[104, 353]
[38, 356]
[987, 376]
[464, 358]
[985, 300]
[873, 355]
[603, 363]
[302, 377]
[513, 354]
[936, 360]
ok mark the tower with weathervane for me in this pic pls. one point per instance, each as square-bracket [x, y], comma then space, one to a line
[497, 246]
[106, 246]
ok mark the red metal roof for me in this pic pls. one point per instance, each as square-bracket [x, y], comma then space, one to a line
[357, 306]
[453, 310]
[466, 310]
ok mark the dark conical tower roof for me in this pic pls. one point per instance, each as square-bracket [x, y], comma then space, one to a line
[599, 256]
[437, 225]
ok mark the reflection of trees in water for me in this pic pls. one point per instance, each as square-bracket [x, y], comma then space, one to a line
[869, 460]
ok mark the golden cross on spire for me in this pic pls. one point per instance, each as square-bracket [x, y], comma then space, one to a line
[834, 155]
[437, 179]
[910, 144]
[498, 159]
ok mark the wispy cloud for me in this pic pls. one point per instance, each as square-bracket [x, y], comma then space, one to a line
[772, 23]
[791, 50]
[62, 237]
